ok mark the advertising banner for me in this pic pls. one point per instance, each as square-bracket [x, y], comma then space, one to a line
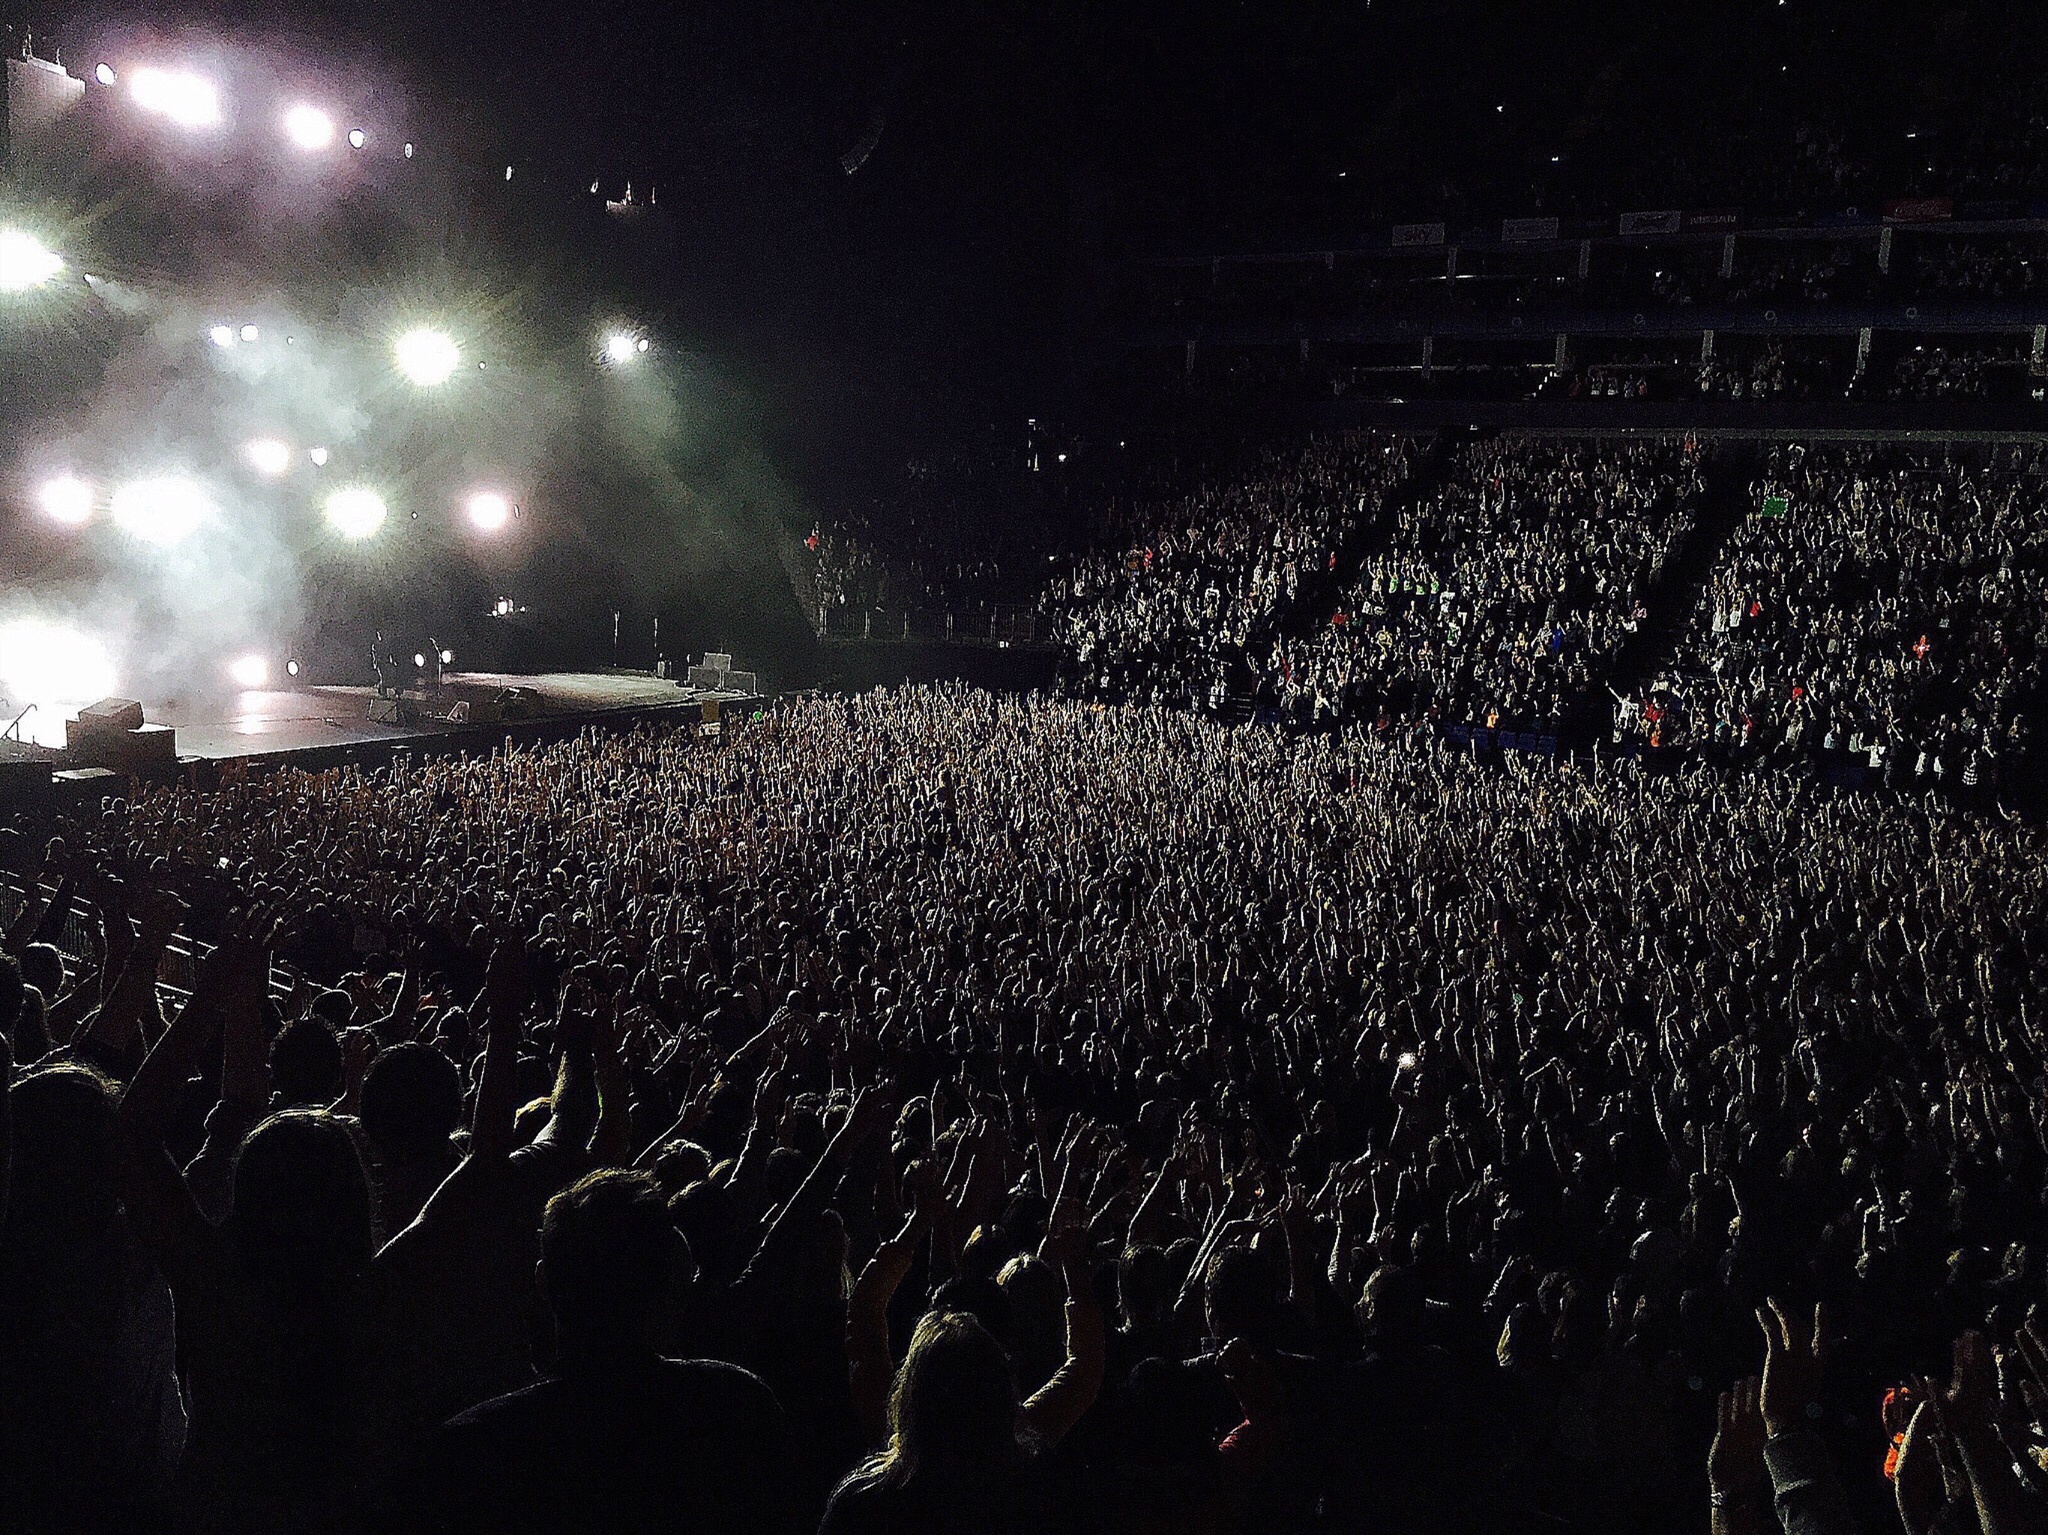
[1666, 222]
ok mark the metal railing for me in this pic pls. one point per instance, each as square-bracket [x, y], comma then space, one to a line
[1003, 624]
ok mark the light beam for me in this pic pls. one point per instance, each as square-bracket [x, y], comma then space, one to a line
[164, 510]
[189, 100]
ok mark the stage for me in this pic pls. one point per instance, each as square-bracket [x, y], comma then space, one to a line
[320, 726]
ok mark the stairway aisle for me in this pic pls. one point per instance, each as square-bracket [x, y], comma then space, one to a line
[1675, 595]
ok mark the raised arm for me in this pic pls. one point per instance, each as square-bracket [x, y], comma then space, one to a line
[164, 1212]
[870, 1370]
[870, 1113]
[1062, 1401]
[115, 1035]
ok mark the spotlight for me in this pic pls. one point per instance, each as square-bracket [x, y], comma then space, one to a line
[251, 333]
[357, 138]
[308, 127]
[163, 510]
[502, 607]
[222, 335]
[188, 100]
[427, 357]
[618, 347]
[267, 456]
[489, 510]
[250, 672]
[1405, 1060]
[355, 512]
[25, 262]
[291, 667]
[408, 151]
[104, 74]
[318, 456]
[419, 660]
[66, 499]
[642, 343]
[447, 658]
[51, 666]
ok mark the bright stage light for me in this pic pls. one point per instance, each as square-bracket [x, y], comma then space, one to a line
[251, 333]
[291, 667]
[308, 127]
[66, 499]
[427, 357]
[318, 456]
[268, 456]
[447, 658]
[25, 262]
[502, 607]
[104, 74]
[357, 138]
[221, 335]
[55, 669]
[164, 510]
[618, 347]
[642, 344]
[489, 510]
[250, 672]
[355, 512]
[188, 100]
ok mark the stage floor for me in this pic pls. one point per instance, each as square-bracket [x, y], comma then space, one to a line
[280, 721]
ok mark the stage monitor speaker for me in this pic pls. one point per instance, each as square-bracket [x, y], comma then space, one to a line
[394, 711]
[710, 708]
[112, 714]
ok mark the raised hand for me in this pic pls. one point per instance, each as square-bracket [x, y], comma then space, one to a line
[1792, 1367]
[1735, 1463]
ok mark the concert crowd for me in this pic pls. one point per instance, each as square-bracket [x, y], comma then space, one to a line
[1879, 602]
[933, 1110]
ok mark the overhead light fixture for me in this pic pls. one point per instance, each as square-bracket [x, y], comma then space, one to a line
[250, 672]
[25, 262]
[66, 499]
[308, 127]
[356, 512]
[427, 357]
[104, 74]
[267, 456]
[357, 138]
[489, 511]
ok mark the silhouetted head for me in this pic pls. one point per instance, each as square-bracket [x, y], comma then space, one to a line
[305, 1063]
[612, 1266]
[301, 1212]
[412, 1102]
[1145, 1285]
[42, 966]
[955, 1403]
[66, 1155]
[1241, 1298]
